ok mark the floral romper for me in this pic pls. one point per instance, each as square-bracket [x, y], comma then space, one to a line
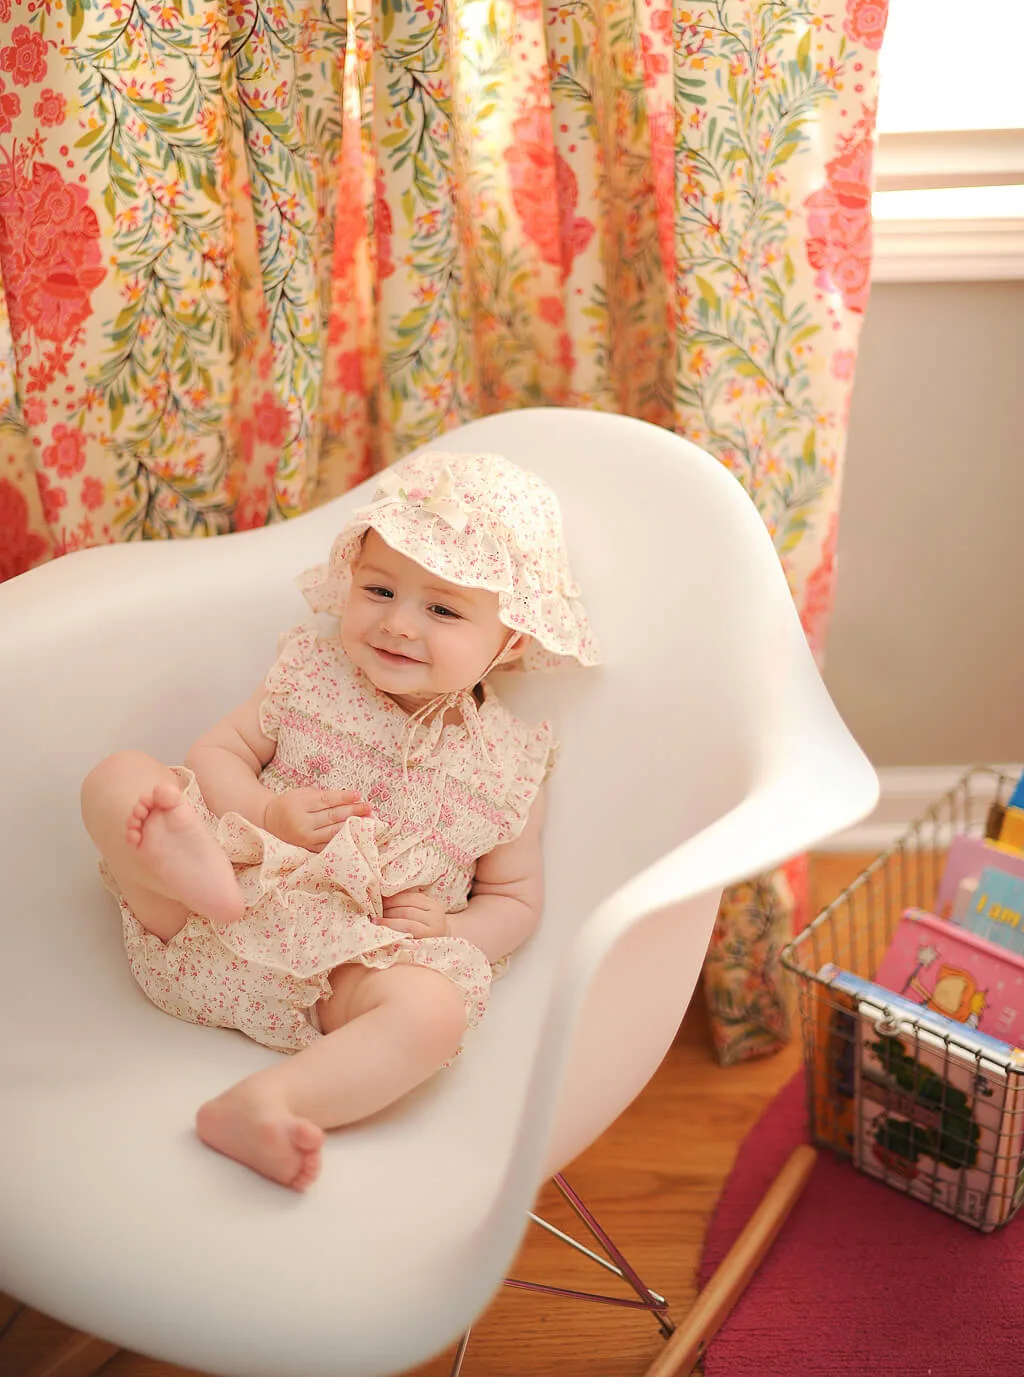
[443, 795]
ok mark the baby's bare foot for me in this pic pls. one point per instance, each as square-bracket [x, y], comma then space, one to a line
[184, 858]
[263, 1136]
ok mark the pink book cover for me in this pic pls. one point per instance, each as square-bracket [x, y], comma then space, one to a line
[968, 857]
[956, 974]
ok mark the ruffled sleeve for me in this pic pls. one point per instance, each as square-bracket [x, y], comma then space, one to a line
[530, 752]
[295, 650]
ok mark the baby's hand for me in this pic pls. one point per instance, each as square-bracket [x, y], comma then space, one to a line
[310, 817]
[415, 913]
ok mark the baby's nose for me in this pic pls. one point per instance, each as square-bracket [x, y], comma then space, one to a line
[398, 621]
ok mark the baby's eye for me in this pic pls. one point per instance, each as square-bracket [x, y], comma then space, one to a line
[439, 610]
[376, 591]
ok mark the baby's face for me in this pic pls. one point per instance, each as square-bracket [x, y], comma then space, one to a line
[415, 635]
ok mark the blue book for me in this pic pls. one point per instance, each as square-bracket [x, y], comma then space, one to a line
[996, 910]
[907, 1011]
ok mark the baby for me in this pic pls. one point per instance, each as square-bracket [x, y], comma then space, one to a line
[343, 858]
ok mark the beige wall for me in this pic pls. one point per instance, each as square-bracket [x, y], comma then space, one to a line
[925, 656]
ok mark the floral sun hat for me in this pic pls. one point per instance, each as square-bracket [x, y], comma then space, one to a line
[479, 521]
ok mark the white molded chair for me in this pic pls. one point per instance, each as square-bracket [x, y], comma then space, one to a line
[704, 749]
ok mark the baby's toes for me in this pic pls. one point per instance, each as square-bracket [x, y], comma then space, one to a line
[307, 1173]
[166, 796]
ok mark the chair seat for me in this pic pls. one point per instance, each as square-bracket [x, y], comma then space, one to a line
[705, 748]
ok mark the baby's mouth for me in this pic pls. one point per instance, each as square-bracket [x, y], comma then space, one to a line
[391, 657]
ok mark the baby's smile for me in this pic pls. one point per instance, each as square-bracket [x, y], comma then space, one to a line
[394, 657]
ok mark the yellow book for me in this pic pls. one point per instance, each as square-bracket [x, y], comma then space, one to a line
[1012, 831]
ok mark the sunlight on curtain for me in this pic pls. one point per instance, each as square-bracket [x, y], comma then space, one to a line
[662, 210]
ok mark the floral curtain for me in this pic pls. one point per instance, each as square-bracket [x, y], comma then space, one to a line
[168, 185]
[251, 250]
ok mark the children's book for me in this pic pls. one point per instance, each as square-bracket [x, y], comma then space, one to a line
[967, 858]
[939, 1107]
[996, 910]
[956, 973]
[831, 1069]
[1011, 829]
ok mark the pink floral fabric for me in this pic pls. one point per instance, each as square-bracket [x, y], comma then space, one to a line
[443, 794]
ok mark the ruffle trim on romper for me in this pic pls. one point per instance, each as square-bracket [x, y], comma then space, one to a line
[306, 913]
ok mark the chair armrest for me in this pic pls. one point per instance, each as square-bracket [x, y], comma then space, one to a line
[654, 931]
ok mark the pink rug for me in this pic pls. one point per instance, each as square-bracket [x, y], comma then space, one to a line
[861, 1281]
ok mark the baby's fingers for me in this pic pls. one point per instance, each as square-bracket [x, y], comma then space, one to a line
[412, 899]
[412, 927]
[401, 911]
[326, 825]
[328, 817]
[331, 798]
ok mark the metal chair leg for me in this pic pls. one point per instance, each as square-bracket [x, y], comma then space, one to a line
[460, 1353]
[647, 1298]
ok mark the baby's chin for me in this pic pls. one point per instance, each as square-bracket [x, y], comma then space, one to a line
[412, 699]
[399, 684]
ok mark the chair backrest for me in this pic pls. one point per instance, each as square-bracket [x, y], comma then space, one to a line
[689, 600]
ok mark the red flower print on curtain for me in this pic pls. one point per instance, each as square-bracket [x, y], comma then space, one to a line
[865, 22]
[545, 192]
[20, 547]
[839, 224]
[67, 452]
[10, 109]
[50, 109]
[50, 249]
[25, 57]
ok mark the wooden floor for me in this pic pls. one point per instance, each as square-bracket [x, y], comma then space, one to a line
[652, 1180]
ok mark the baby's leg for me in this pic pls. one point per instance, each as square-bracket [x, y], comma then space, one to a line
[163, 858]
[386, 1032]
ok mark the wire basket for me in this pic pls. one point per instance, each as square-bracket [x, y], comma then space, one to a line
[934, 1113]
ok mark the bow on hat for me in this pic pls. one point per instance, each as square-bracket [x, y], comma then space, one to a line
[439, 502]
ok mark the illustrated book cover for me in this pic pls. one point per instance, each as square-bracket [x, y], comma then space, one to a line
[957, 973]
[938, 1108]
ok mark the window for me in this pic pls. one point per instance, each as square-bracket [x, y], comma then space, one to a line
[950, 65]
[949, 200]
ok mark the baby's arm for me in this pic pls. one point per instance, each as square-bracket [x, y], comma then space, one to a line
[507, 894]
[504, 904]
[227, 761]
